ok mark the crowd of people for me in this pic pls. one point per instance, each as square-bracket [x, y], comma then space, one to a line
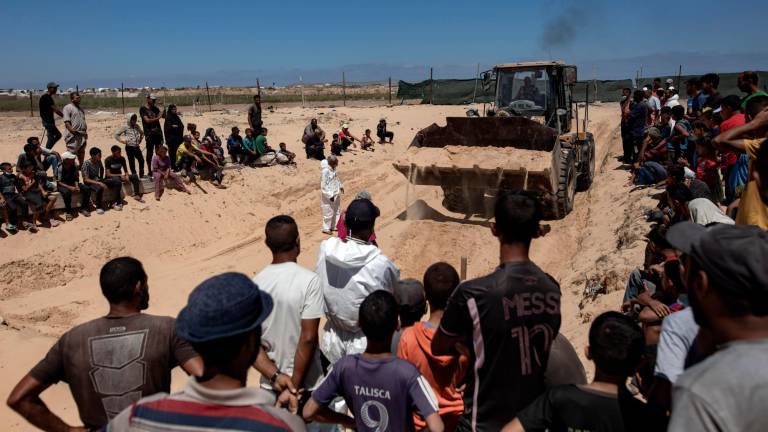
[435, 354]
[172, 152]
[710, 146]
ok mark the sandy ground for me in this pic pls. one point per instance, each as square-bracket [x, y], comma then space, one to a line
[49, 280]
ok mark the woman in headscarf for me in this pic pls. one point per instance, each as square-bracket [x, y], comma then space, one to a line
[211, 133]
[174, 133]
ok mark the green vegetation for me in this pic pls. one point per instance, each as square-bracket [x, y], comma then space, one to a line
[98, 102]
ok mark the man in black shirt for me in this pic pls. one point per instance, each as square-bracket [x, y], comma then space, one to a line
[254, 114]
[616, 344]
[709, 84]
[508, 321]
[47, 108]
[153, 130]
[117, 171]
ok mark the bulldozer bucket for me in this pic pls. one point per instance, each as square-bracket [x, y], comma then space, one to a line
[518, 132]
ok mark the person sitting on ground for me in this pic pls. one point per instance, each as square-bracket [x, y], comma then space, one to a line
[615, 346]
[235, 146]
[336, 146]
[69, 183]
[349, 271]
[366, 143]
[509, 374]
[208, 148]
[250, 154]
[288, 154]
[331, 189]
[187, 158]
[36, 197]
[381, 391]
[11, 201]
[162, 172]
[383, 133]
[682, 175]
[346, 138]
[700, 210]
[110, 362]
[211, 133]
[116, 169]
[643, 282]
[315, 146]
[222, 321]
[653, 148]
[312, 130]
[749, 139]
[290, 333]
[192, 131]
[727, 282]
[93, 179]
[208, 160]
[669, 294]
[267, 155]
[411, 306]
[341, 227]
[131, 136]
[445, 374]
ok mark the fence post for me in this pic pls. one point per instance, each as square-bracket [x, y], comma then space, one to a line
[463, 268]
[301, 86]
[477, 75]
[31, 105]
[390, 90]
[431, 88]
[344, 87]
[679, 75]
[208, 92]
[122, 95]
[258, 87]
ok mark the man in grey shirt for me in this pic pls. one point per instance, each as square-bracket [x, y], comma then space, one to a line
[76, 135]
[727, 281]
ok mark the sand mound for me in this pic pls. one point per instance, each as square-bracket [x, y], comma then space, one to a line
[483, 157]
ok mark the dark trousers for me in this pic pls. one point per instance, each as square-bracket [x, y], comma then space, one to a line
[173, 145]
[153, 141]
[14, 203]
[626, 143]
[134, 154]
[96, 192]
[337, 148]
[66, 195]
[135, 183]
[114, 184]
[314, 152]
[383, 135]
[345, 143]
[185, 163]
[237, 155]
[53, 134]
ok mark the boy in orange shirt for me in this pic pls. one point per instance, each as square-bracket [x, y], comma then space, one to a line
[444, 373]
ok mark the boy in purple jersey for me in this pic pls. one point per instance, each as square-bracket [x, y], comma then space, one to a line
[381, 390]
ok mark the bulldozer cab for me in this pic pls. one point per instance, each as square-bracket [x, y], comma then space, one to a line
[537, 90]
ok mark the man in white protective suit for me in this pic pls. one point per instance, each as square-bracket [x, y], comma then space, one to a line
[330, 193]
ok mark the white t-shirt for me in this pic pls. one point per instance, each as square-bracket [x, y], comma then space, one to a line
[678, 332]
[297, 296]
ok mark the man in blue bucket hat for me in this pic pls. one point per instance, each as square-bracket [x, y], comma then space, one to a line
[222, 321]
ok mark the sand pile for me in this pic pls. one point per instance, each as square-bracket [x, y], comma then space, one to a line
[483, 157]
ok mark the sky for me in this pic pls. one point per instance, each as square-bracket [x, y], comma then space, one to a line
[103, 43]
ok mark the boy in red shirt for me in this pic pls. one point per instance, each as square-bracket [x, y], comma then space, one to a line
[707, 168]
[444, 373]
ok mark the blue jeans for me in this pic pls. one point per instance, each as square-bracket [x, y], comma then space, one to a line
[50, 161]
[53, 134]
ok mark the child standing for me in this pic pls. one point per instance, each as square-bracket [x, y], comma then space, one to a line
[382, 391]
[161, 171]
[444, 373]
[11, 201]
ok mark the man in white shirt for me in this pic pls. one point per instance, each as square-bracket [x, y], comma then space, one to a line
[290, 335]
[349, 271]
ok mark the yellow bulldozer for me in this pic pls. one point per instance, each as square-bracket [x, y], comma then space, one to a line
[534, 111]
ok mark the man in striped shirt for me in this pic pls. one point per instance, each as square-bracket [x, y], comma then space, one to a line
[222, 321]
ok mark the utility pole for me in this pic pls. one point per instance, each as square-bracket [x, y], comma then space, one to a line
[477, 76]
[31, 105]
[258, 87]
[208, 92]
[344, 87]
[301, 87]
[122, 95]
[431, 88]
[390, 90]
[679, 77]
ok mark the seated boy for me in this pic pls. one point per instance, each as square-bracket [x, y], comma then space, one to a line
[382, 391]
[209, 160]
[93, 180]
[11, 201]
[69, 183]
[616, 346]
[288, 154]
[336, 146]
[366, 143]
[235, 146]
[444, 373]
[34, 195]
[117, 171]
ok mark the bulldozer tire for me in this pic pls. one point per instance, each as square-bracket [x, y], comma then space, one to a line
[587, 173]
[566, 184]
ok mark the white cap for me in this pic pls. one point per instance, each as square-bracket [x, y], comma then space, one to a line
[645, 89]
[68, 155]
[717, 110]
[345, 126]
[671, 88]
[688, 173]
[670, 81]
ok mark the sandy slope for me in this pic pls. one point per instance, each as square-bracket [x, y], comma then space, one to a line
[48, 281]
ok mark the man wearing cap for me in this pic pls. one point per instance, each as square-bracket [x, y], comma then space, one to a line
[153, 131]
[222, 320]
[76, 136]
[110, 362]
[349, 271]
[727, 282]
[254, 114]
[68, 183]
[47, 109]
[346, 137]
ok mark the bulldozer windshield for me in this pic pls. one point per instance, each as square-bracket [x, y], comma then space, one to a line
[523, 91]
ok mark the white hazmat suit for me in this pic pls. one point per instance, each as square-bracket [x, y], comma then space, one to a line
[330, 196]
